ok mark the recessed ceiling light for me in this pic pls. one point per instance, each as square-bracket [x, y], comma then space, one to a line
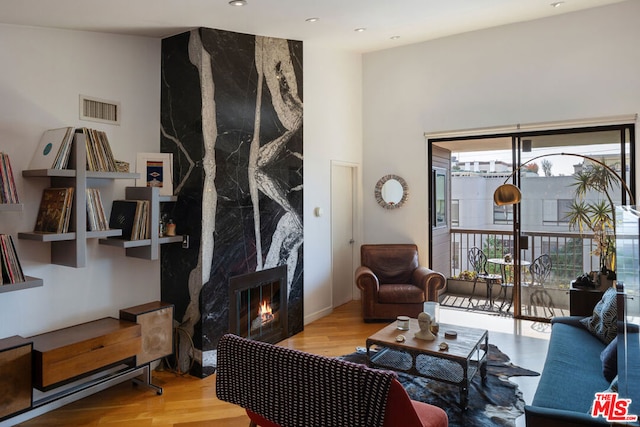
[238, 2]
[557, 4]
[312, 19]
[360, 30]
[394, 37]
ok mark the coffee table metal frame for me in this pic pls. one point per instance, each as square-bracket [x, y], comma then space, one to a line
[466, 355]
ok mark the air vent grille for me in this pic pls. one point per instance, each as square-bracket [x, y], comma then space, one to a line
[99, 110]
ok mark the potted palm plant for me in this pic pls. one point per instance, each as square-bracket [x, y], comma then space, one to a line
[596, 216]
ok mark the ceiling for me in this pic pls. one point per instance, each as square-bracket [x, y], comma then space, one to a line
[410, 20]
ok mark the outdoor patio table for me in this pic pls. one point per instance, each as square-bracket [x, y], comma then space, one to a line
[503, 272]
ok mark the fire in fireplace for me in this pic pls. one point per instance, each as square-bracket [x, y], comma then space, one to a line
[258, 305]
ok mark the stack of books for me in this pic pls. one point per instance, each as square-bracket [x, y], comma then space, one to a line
[55, 210]
[96, 219]
[11, 268]
[99, 155]
[8, 192]
[132, 217]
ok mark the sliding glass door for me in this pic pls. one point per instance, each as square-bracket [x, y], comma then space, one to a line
[560, 229]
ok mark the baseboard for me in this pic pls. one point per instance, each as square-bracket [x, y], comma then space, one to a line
[317, 315]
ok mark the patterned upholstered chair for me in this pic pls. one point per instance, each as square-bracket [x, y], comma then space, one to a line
[279, 386]
[393, 283]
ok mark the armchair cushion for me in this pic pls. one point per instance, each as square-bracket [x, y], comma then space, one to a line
[400, 294]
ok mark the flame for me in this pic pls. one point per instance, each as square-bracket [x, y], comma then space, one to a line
[265, 313]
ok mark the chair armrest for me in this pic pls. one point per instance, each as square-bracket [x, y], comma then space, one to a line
[429, 281]
[366, 280]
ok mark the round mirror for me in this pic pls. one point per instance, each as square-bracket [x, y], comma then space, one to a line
[391, 191]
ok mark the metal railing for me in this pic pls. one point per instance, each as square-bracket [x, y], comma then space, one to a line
[571, 253]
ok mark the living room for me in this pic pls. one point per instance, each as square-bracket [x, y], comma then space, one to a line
[369, 109]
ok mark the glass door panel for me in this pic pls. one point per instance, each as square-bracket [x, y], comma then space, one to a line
[477, 167]
[566, 214]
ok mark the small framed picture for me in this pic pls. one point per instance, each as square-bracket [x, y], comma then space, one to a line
[155, 170]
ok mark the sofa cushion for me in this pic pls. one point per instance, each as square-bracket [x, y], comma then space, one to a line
[572, 371]
[603, 321]
[609, 358]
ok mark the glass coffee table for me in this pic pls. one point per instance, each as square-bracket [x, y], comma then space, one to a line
[465, 356]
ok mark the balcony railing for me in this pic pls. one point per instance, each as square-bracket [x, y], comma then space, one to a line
[570, 252]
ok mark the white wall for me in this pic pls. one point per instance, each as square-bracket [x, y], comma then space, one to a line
[577, 65]
[332, 131]
[43, 73]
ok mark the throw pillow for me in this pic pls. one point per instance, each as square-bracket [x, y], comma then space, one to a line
[603, 322]
[609, 358]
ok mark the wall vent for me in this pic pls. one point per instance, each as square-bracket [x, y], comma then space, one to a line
[99, 110]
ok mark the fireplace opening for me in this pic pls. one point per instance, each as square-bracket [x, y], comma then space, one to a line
[258, 305]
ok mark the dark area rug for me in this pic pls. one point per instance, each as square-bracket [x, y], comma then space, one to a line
[498, 402]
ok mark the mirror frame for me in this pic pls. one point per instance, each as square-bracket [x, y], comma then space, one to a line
[378, 192]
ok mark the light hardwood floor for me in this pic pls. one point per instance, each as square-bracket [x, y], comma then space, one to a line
[191, 402]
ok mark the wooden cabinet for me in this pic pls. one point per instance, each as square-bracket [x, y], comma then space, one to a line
[156, 320]
[16, 393]
[147, 248]
[70, 248]
[582, 300]
[66, 354]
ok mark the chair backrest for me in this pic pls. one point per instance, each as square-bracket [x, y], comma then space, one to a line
[399, 411]
[392, 263]
[540, 270]
[477, 260]
[294, 388]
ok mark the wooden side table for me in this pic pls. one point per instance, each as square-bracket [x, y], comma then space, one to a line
[582, 300]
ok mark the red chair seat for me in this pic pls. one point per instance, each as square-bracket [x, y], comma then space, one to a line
[401, 411]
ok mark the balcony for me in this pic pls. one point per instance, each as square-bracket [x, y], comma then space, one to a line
[570, 254]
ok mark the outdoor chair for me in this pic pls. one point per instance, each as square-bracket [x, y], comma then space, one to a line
[478, 263]
[540, 270]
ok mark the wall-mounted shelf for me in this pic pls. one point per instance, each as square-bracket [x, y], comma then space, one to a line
[70, 249]
[48, 173]
[147, 248]
[47, 237]
[29, 282]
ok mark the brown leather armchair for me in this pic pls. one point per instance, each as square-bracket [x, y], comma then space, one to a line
[392, 282]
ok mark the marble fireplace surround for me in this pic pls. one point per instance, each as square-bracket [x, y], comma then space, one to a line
[231, 114]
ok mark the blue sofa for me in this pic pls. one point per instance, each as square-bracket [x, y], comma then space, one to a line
[571, 376]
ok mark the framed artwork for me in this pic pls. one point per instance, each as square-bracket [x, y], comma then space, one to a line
[155, 170]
